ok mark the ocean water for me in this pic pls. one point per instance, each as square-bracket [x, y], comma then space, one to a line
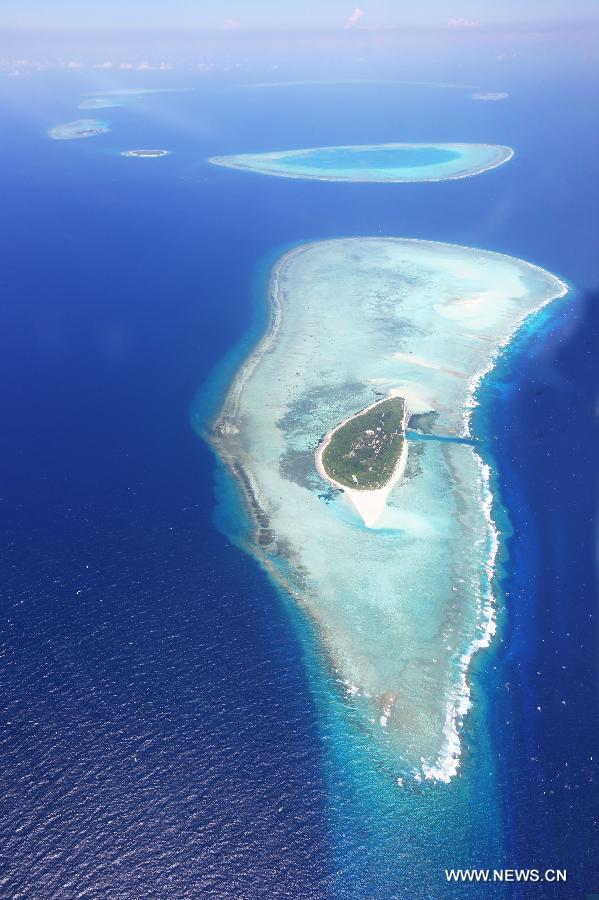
[167, 726]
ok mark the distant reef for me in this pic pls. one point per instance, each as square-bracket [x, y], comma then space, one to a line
[80, 128]
[374, 162]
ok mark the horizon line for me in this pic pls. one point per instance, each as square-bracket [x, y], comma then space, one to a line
[522, 27]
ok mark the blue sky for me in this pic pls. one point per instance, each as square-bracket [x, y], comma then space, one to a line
[288, 13]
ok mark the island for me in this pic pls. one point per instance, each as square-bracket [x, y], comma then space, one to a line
[145, 154]
[390, 555]
[362, 453]
[374, 162]
[81, 128]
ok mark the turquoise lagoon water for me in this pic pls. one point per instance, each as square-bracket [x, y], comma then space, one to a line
[382, 162]
[372, 158]
[400, 607]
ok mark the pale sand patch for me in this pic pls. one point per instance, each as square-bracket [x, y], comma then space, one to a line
[417, 360]
[416, 397]
[412, 523]
[465, 308]
[427, 364]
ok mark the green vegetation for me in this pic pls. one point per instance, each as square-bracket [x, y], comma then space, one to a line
[362, 453]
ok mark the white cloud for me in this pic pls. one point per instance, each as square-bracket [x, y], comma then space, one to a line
[463, 23]
[230, 24]
[354, 18]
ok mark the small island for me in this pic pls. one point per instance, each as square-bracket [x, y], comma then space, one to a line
[490, 95]
[80, 128]
[145, 154]
[363, 452]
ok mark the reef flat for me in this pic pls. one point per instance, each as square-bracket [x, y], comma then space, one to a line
[81, 128]
[120, 97]
[374, 162]
[400, 594]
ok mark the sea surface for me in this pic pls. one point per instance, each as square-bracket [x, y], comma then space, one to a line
[167, 726]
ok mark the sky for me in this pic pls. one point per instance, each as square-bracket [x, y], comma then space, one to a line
[240, 14]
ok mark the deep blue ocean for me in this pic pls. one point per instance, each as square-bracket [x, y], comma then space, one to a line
[161, 731]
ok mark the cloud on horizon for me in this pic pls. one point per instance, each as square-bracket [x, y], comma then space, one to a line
[354, 18]
[463, 23]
